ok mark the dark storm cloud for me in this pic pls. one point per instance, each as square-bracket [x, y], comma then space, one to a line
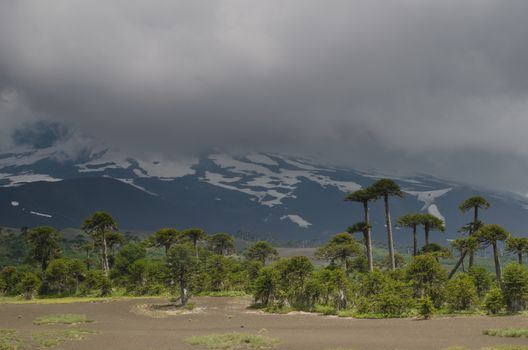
[430, 86]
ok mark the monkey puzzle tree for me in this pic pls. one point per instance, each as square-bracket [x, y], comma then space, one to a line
[181, 264]
[364, 196]
[222, 244]
[98, 226]
[195, 235]
[474, 203]
[490, 234]
[44, 245]
[431, 223]
[364, 228]
[517, 245]
[261, 251]
[464, 246]
[340, 248]
[411, 221]
[165, 237]
[386, 188]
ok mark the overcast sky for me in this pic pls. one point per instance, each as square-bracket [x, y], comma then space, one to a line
[437, 87]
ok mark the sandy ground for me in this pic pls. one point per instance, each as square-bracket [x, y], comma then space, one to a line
[120, 328]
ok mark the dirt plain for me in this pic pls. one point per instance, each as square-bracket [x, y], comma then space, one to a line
[121, 326]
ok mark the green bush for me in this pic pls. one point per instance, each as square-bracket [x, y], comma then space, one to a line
[482, 279]
[515, 286]
[426, 308]
[494, 301]
[29, 285]
[461, 293]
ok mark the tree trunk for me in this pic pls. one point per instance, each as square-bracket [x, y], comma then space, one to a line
[184, 293]
[426, 228]
[471, 232]
[415, 242]
[462, 257]
[389, 232]
[195, 243]
[105, 256]
[497, 263]
[520, 257]
[368, 238]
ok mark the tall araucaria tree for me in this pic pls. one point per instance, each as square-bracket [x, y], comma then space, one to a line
[195, 235]
[431, 223]
[364, 196]
[97, 226]
[165, 237]
[386, 188]
[490, 234]
[44, 245]
[517, 245]
[411, 221]
[474, 203]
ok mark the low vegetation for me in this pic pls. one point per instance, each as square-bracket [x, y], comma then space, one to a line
[507, 332]
[16, 340]
[61, 319]
[233, 341]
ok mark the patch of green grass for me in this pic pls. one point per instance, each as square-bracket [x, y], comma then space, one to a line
[61, 319]
[72, 300]
[231, 293]
[233, 341]
[507, 332]
[53, 338]
[325, 310]
[496, 347]
[10, 340]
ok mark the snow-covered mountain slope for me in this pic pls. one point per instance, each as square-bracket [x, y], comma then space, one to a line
[262, 193]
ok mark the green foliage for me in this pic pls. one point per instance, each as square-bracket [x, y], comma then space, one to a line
[261, 251]
[28, 285]
[96, 281]
[64, 276]
[461, 293]
[482, 279]
[11, 340]
[61, 319]
[181, 263]
[233, 341]
[47, 339]
[165, 237]
[384, 187]
[474, 202]
[44, 245]
[494, 301]
[515, 287]
[426, 308]
[427, 277]
[222, 244]
[507, 332]
[340, 248]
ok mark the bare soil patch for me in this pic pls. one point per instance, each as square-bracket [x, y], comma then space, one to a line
[119, 328]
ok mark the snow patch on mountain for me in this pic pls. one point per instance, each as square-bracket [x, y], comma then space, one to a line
[268, 186]
[433, 210]
[260, 159]
[17, 180]
[40, 214]
[296, 219]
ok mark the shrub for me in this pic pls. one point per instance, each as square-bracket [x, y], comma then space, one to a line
[482, 279]
[426, 308]
[29, 284]
[427, 277]
[461, 293]
[515, 287]
[494, 301]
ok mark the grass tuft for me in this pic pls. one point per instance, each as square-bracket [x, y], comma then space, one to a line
[61, 319]
[507, 332]
[48, 339]
[233, 341]
[10, 340]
